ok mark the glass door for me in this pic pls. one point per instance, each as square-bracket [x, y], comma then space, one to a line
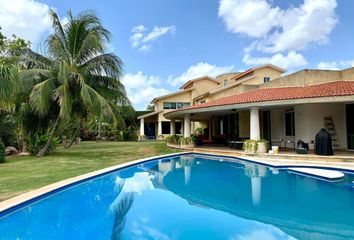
[350, 125]
[266, 126]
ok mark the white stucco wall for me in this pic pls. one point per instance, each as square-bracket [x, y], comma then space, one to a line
[277, 120]
[309, 120]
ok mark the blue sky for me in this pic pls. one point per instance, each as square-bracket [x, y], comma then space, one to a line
[163, 43]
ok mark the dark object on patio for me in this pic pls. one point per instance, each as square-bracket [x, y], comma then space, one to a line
[199, 140]
[302, 147]
[302, 144]
[220, 139]
[323, 143]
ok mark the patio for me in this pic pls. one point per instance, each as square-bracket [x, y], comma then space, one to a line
[340, 158]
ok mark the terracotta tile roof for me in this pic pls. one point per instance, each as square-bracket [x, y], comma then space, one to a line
[332, 89]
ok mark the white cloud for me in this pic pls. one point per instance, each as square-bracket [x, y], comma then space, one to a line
[253, 18]
[27, 19]
[266, 233]
[142, 39]
[290, 60]
[199, 70]
[280, 31]
[137, 184]
[141, 89]
[335, 65]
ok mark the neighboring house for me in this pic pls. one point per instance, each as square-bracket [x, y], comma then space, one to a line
[261, 104]
[155, 125]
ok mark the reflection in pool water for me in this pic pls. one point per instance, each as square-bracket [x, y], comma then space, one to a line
[191, 197]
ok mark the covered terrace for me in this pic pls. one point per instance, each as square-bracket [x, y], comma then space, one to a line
[280, 115]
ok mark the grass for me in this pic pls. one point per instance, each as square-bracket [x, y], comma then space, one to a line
[22, 174]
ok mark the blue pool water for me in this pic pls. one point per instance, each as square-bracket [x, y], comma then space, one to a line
[190, 197]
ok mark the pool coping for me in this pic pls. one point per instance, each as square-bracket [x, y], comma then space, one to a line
[34, 194]
[16, 202]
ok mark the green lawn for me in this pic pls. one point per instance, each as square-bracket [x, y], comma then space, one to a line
[22, 174]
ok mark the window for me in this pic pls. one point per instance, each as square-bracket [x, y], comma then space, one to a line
[290, 123]
[185, 104]
[178, 127]
[175, 105]
[202, 101]
[166, 127]
[266, 79]
[179, 105]
[226, 83]
[169, 105]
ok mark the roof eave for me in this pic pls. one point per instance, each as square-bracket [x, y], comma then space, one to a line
[273, 103]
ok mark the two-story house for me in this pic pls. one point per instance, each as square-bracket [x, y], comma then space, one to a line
[200, 90]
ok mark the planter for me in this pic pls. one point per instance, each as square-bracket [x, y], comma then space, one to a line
[262, 147]
[187, 145]
[250, 147]
[160, 137]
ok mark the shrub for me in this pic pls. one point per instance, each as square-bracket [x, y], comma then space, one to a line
[127, 135]
[2, 151]
[199, 131]
[265, 142]
[186, 140]
[250, 146]
[172, 139]
[36, 143]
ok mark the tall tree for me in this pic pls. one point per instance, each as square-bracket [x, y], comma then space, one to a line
[76, 73]
[10, 51]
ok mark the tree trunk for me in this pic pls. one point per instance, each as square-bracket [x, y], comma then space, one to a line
[24, 146]
[74, 137]
[99, 130]
[50, 138]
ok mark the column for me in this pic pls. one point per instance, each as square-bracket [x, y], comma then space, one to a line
[159, 128]
[187, 125]
[173, 127]
[256, 185]
[173, 165]
[209, 128]
[142, 130]
[182, 128]
[187, 174]
[254, 124]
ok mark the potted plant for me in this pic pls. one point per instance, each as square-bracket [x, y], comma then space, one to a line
[250, 147]
[172, 140]
[142, 138]
[198, 136]
[186, 142]
[262, 146]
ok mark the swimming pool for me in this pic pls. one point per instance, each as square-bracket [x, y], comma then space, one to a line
[190, 197]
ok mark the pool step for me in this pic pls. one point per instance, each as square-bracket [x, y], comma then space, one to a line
[328, 175]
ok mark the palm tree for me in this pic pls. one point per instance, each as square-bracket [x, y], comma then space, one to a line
[8, 85]
[76, 73]
[123, 207]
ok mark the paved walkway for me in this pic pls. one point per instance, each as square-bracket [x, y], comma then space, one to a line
[340, 159]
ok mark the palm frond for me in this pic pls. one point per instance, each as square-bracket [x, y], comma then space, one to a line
[59, 30]
[41, 95]
[105, 65]
[9, 85]
[31, 59]
[122, 210]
